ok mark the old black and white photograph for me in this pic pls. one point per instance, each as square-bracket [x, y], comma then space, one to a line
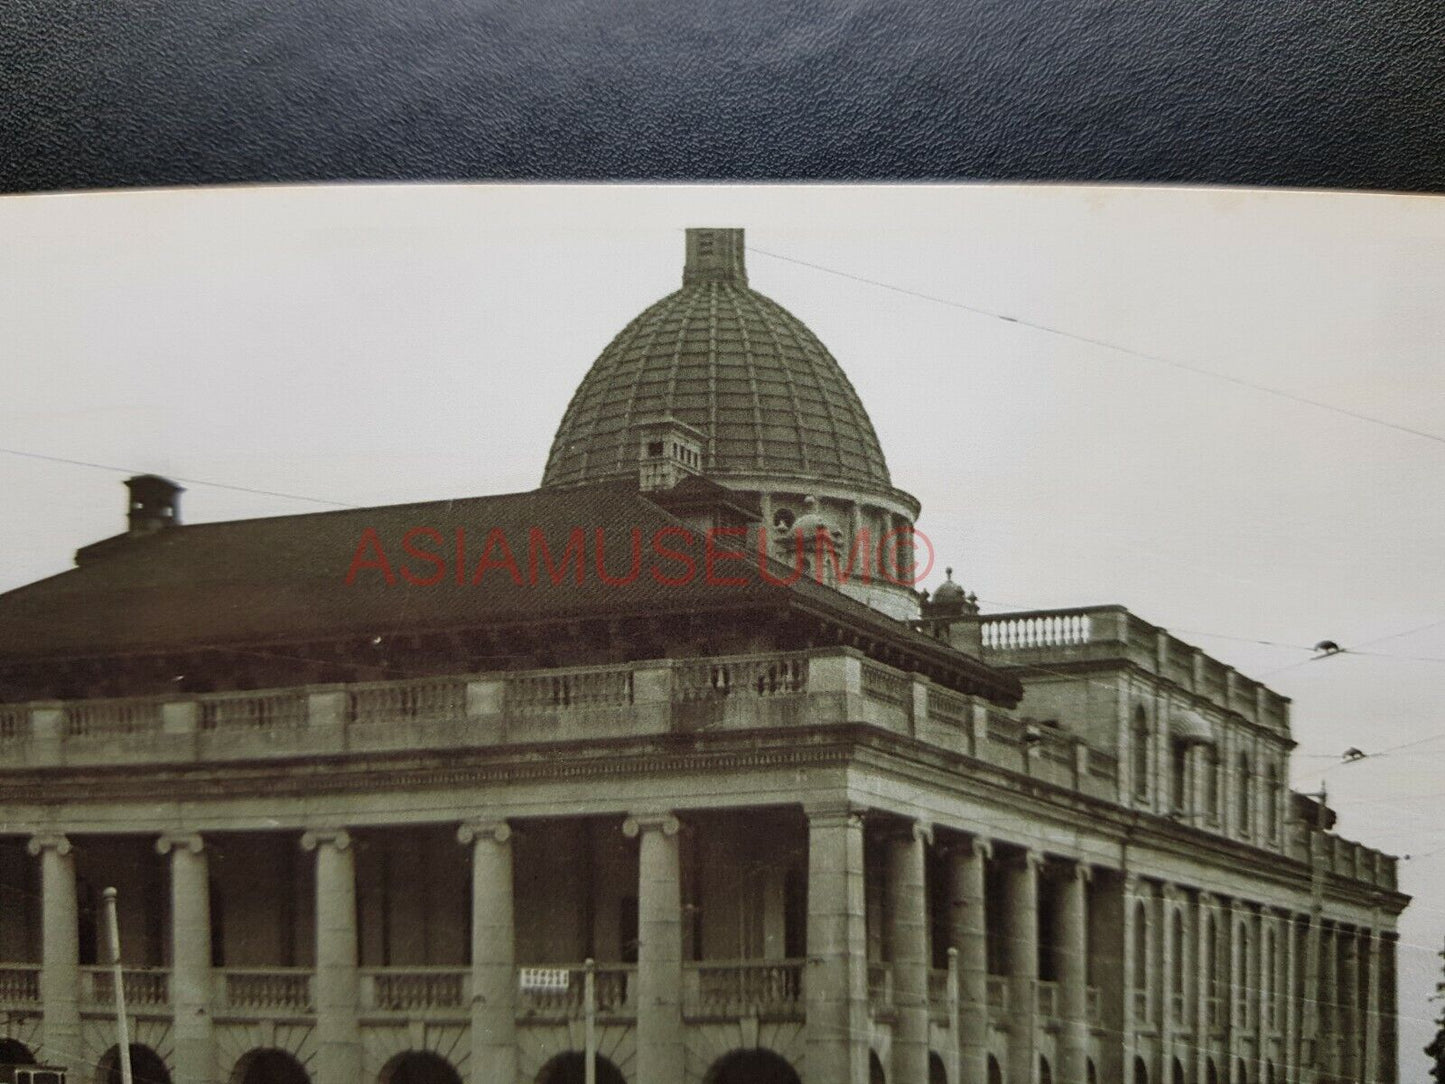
[703, 634]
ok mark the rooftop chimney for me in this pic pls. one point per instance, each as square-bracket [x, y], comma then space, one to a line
[153, 504]
[714, 255]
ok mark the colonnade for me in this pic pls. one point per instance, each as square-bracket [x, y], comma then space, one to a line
[1218, 986]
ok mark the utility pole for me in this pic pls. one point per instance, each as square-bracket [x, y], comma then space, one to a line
[112, 928]
[1310, 1033]
[589, 1017]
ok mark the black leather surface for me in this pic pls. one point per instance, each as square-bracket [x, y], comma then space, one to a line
[1279, 92]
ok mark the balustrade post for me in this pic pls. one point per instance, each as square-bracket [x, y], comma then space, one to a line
[494, 977]
[836, 983]
[339, 1054]
[190, 957]
[908, 939]
[60, 950]
[660, 1046]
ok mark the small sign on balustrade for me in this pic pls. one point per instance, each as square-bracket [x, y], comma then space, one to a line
[544, 980]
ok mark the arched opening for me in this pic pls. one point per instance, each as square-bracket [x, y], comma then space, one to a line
[750, 1067]
[1211, 782]
[1271, 803]
[1140, 762]
[1245, 783]
[875, 1069]
[1179, 776]
[419, 1067]
[1178, 1072]
[1091, 1074]
[571, 1068]
[1141, 961]
[1046, 1074]
[1141, 1072]
[1269, 1077]
[1211, 1074]
[937, 1074]
[146, 1066]
[995, 1074]
[1180, 968]
[14, 1052]
[269, 1067]
[1241, 1073]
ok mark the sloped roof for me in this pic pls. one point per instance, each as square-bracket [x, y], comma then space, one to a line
[285, 578]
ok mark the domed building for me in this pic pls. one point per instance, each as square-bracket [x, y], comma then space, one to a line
[664, 766]
[737, 388]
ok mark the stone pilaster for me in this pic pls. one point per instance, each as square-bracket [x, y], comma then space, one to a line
[195, 1053]
[1022, 880]
[1349, 1028]
[338, 1035]
[1204, 968]
[968, 933]
[837, 980]
[1371, 1064]
[60, 949]
[494, 964]
[908, 939]
[660, 1046]
[1072, 938]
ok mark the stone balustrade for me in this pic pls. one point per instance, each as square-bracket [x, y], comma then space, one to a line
[19, 986]
[819, 687]
[263, 992]
[1111, 632]
[729, 989]
[415, 991]
[615, 990]
[144, 989]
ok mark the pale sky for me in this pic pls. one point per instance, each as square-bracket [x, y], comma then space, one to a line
[380, 344]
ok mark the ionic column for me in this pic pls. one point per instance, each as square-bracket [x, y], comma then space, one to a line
[1022, 885]
[968, 933]
[837, 982]
[1234, 987]
[1129, 889]
[190, 957]
[1289, 1004]
[908, 940]
[1203, 968]
[60, 948]
[1072, 937]
[338, 1035]
[1167, 949]
[494, 1012]
[660, 1049]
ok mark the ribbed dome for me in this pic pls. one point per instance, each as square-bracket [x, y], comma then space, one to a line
[748, 375]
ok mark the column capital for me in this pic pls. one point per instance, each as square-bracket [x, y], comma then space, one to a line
[190, 841]
[1029, 859]
[497, 831]
[1206, 899]
[1078, 869]
[909, 831]
[967, 846]
[47, 841]
[637, 823]
[314, 838]
[835, 815]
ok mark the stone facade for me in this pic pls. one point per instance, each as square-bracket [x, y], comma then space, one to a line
[784, 834]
